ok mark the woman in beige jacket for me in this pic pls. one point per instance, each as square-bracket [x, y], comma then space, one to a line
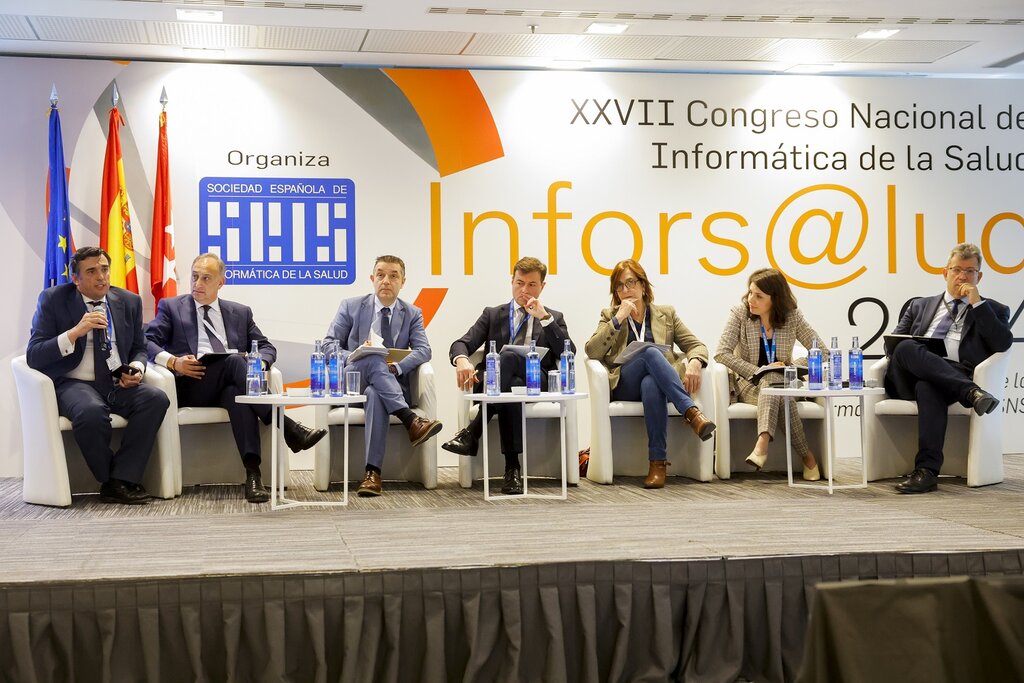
[763, 332]
[652, 376]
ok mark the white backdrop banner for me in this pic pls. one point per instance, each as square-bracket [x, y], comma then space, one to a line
[856, 188]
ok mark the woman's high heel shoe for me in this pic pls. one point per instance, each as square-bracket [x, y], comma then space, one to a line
[756, 459]
[811, 473]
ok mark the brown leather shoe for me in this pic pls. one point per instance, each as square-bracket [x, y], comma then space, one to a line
[420, 430]
[371, 485]
[656, 474]
[699, 423]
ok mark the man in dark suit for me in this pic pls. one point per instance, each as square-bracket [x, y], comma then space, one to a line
[87, 338]
[515, 322]
[973, 329]
[188, 327]
[382, 319]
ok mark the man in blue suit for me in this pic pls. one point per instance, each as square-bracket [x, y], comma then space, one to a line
[87, 338]
[188, 327]
[396, 324]
[973, 328]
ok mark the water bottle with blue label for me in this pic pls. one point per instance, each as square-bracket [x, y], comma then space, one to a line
[814, 367]
[856, 365]
[835, 365]
[335, 370]
[533, 370]
[567, 368]
[492, 372]
[253, 371]
[316, 371]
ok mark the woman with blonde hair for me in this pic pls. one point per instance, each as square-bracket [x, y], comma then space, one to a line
[651, 376]
[762, 332]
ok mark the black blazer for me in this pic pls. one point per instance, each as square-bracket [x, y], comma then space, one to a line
[60, 308]
[986, 327]
[492, 325]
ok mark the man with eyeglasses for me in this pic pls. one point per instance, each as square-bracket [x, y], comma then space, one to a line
[973, 328]
[516, 322]
[87, 337]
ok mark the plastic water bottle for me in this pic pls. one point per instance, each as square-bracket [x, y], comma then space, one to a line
[316, 371]
[567, 368]
[835, 365]
[533, 370]
[492, 372]
[335, 374]
[856, 365]
[254, 371]
[814, 367]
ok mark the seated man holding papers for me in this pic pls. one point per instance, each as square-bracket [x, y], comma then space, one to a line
[383, 338]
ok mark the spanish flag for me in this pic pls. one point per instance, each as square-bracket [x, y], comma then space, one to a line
[115, 221]
[162, 275]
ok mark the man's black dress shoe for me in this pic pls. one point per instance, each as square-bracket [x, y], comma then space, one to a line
[117, 491]
[982, 401]
[512, 485]
[464, 443]
[300, 437]
[919, 481]
[255, 491]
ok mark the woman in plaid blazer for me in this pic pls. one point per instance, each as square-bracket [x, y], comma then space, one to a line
[762, 332]
[652, 376]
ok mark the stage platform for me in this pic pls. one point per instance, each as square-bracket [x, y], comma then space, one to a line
[697, 581]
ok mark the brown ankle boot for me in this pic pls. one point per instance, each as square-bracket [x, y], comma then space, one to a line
[656, 474]
[699, 423]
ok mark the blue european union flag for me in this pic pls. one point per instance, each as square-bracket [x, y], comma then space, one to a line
[58, 213]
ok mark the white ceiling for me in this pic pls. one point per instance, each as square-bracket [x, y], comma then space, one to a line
[937, 37]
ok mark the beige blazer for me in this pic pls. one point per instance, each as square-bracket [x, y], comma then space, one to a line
[666, 328]
[740, 344]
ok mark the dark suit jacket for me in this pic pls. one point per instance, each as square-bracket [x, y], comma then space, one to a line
[492, 325]
[986, 327]
[60, 308]
[175, 329]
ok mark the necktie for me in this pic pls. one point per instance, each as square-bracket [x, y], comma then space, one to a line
[100, 353]
[520, 339]
[947, 322]
[211, 332]
[385, 328]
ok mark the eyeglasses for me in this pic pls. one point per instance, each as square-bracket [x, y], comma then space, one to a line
[628, 284]
[969, 272]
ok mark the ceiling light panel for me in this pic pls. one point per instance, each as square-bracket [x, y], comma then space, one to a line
[810, 51]
[311, 38]
[257, 4]
[417, 42]
[207, 36]
[88, 30]
[908, 51]
[716, 49]
[15, 28]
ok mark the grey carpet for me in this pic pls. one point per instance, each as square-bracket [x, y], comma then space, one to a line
[211, 530]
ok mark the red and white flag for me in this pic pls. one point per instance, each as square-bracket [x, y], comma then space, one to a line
[163, 278]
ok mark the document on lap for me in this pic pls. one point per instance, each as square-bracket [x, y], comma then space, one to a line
[397, 355]
[933, 344]
[756, 377]
[636, 347]
[521, 350]
[215, 355]
[366, 351]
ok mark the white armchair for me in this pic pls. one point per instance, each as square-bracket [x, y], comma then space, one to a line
[737, 431]
[618, 435]
[973, 446]
[53, 463]
[403, 461]
[543, 441]
[203, 442]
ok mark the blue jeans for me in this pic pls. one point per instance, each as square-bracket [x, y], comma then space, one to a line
[651, 379]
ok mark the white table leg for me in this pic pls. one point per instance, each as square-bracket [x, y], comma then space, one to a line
[830, 439]
[483, 435]
[526, 478]
[344, 463]
[276, 432]
[789, 442]
[565, 478]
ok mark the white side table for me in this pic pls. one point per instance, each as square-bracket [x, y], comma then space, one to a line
[278, 402]
[830, 436]
[507, 397]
